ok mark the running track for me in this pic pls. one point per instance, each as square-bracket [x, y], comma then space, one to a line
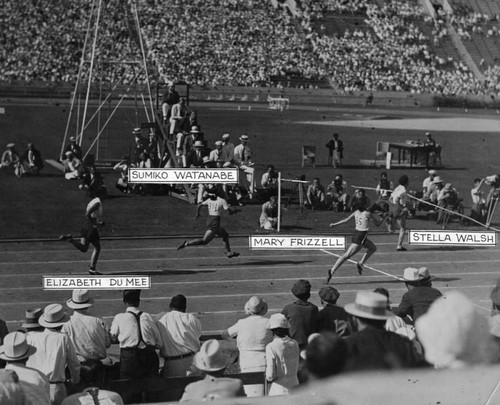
[217, 287]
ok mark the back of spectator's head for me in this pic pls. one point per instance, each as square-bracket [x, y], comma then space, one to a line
[495, 297]
[403, 180]
[178, 302]
[335, 135]
[453, 333]
[329, 294]
[256, 306]
[132, 297]
[476, 180]
[385, 293]
[302, 289]
[325, 355]
[11, 392]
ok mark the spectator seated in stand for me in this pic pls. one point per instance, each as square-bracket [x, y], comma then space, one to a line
[337, 197]
[315, 196]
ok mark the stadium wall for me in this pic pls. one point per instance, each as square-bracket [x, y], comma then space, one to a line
[259, 95]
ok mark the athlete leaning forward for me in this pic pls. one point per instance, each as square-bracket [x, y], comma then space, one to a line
[362, 215]
[216, 205]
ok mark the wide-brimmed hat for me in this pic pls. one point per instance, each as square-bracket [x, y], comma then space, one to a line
[53, 316]
[226, 136]
[15, 347]
[210, 357]
[424, 274]
[80, 299]
[137, 131]
[411, 275]
[31, 318]
[329, 294]
[369, 305]
[11, 145]
[194, 130]
[256, 306]
[244, 138]
[198, 144]
[436, 180]
[205, 159]
[278, 321]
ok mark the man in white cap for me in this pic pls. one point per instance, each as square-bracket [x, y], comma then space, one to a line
[54, 352]
[89, 335]
[427, 184]
[227, 150]
[216, 154]
[372, 347]
[243, 159]
[195, 157]
[212, 362]
[74, 148]
[180, 332]
[16, 351]
[10, 158]
[420, 295]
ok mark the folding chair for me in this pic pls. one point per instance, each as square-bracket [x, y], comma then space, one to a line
[309, 153]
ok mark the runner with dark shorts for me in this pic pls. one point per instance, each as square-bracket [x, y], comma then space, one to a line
[88, 233]
[215, 206]
[362, 217]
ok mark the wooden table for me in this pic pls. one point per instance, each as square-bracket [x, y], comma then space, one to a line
[413, 149]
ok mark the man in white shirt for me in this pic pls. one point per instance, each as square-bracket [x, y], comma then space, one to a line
[35, 385]
[54, 352]
[181, 334]
[89, 234]
[180, 112]
[243, 159]
[216, 154]
[89, 335]
[139, 337]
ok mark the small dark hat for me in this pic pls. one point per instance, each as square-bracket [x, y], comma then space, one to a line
[329, 294]
[301, 288]
[178, 302]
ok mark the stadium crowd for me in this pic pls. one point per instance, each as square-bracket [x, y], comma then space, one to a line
[52, 351]
[227, 44]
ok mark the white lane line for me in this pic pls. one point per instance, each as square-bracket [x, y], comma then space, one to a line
[211, 247]
[356, 277]
[235, 267]
[192, 297]
[221, 257]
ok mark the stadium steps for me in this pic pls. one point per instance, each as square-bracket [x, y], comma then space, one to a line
[336, 25]
[445, 49]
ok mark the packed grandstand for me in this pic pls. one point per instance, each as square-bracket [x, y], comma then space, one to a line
[251, 43]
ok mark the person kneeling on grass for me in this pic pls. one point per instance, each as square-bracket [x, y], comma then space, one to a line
[362, 217]
[269, 215]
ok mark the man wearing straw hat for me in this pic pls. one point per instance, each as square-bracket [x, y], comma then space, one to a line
[212, 362]
[243, 159]
[54, 352]
[89, 335]
[372, 347]
[30, 324]
[16, 351]
[420, 295]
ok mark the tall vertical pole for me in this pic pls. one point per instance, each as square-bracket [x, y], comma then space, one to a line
[279, 201]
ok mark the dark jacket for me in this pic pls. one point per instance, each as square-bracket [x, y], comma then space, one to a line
[376, 349]
[333, 318]
[303, 318]
[417, 301]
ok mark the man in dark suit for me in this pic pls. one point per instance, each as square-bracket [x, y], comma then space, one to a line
[333, 318]
[372, 347]
[335, 151]
[420, 293]
[195, 157]
[211, 361]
